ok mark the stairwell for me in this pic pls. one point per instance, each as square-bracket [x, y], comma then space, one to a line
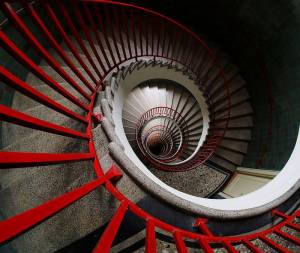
[70, 136]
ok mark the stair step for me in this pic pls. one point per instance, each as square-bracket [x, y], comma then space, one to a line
[222, 163]
[229, 155]
[235, 145]
[40, 184]
[56, 77]
[35, 142]
[236, 97]
[74, 61]
[239, 134]
[219, 90]
[235, 111]
[22, 103]
[90, 54]
[203, 180]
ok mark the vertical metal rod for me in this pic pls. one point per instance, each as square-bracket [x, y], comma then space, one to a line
[179, 48]
[32, 93]
[205, 245]
[40, 24]
[251, 246]
[105, 34]
[159, 34]
[119, 32]
[164, 36]
[30, 159]
[179, 243]
[273, 244]
[66, 39]
[110, 23]
[15, 225]
[293, 226]
[95, 31]
[170, 43]
[229, 247]
[22, 28]
[125, 19]
[187, 52]
[133, 30]
[195, 59]
[87, 35]
[26, 61]
[288, 237]
[22, 119]
[150, 21]
[109, 234]
[77, 36]
[150, 237]
[140, 26]
[146, 33]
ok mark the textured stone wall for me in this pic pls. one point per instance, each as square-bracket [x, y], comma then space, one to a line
[275, 30]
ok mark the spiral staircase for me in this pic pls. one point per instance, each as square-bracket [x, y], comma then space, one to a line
[115, 110]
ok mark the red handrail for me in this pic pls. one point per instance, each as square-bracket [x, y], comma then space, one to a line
[173, 152]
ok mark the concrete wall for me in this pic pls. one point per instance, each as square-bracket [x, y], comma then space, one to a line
[263, 39]
[274, 27]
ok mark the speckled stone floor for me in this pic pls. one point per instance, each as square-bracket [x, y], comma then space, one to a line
[198, 182]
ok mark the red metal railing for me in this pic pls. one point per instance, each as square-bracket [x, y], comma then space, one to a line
[163, 135]
[170, 114]
[110, 23]
[215, 137]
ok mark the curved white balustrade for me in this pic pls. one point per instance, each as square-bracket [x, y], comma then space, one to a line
[272, 194]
